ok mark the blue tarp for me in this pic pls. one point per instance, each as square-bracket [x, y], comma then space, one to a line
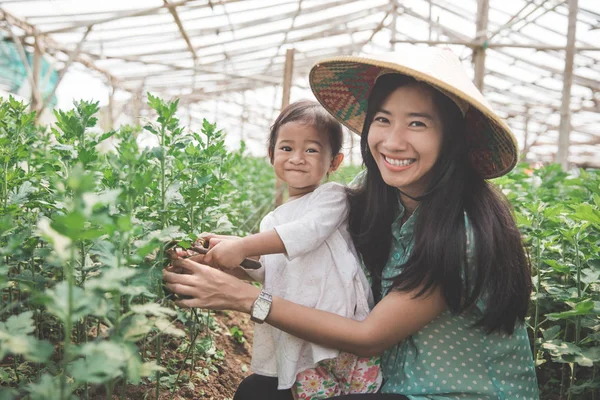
[13, 75]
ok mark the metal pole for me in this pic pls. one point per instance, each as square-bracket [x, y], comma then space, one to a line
[285, 100]
[562, 155]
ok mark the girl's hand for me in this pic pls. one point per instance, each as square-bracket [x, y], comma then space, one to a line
[208, 287]
[214, 239]
[227, 254]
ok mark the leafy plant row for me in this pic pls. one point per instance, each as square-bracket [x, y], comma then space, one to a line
[84, 220]
[559, 215]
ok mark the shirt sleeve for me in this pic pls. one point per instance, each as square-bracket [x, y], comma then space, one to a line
[326, 212]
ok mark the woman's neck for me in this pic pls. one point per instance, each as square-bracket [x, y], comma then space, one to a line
[409, 205]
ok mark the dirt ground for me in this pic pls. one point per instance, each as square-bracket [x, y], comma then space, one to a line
[223, 376]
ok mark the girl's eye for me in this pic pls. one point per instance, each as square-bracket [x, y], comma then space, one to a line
[311, 151]
[417, 124]
[286, 148]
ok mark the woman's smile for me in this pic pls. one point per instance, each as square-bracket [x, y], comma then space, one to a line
[398, 163]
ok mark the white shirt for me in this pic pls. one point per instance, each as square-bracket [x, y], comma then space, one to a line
[320, 270]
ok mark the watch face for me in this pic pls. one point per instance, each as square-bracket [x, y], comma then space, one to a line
[261, 309]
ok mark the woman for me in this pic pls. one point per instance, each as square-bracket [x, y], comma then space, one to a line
[439, 243]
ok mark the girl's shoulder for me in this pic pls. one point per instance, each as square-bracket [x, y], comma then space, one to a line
[331, 187]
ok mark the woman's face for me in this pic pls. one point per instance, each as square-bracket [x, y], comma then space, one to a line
[405, 138]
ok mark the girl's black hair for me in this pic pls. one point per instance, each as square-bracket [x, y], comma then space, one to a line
[499, 272]
[310, 113]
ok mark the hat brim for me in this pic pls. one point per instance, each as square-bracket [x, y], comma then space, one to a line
[343, 85]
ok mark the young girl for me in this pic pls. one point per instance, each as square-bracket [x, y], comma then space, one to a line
[308, 258]
[441, 247]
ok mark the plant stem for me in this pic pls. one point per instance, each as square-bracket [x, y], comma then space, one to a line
[190, 350]
[578, 317]
[5, 191]
[68, 325]
[537, 299]
[158, 344]
[15, 368]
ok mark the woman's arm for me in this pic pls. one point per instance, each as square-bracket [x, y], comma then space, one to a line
[395, 318]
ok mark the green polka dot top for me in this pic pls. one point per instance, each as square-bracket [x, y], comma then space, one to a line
[449, 358]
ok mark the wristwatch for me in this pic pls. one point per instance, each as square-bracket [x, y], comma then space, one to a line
[261, 307]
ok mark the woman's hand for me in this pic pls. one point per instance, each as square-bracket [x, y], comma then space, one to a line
[208, 287]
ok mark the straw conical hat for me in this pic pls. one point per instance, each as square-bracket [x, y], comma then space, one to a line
[343, 84]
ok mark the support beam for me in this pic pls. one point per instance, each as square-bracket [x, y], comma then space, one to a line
[533, 46]
[37, 70]
[185, 36]
[483, 7]
[49, 43]
[28, 71]
[525, 149]
[394, 10]
[112, 18]
[285, 101]
[562, 155]
[63, 71]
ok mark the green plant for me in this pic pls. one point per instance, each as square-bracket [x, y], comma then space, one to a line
[82, 233]
[237, 334]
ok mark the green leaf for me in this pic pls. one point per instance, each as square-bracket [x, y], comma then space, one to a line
[583, 308]
[61, 243]
[152, 309]
[563, 269]
[102, 362]
[20, 195]
[112, 280]
[56, 301]
[21, 324]
[585, 212]
[48, 387]
[16, 338]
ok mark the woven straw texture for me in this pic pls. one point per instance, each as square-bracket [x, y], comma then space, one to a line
[342, 85]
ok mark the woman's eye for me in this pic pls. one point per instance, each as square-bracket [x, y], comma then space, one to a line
[417, 124]
[381, 119]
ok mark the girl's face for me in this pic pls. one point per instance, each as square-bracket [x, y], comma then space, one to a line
[405, 138]
[302, 157]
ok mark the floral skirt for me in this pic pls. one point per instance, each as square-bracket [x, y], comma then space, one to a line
[345, 374]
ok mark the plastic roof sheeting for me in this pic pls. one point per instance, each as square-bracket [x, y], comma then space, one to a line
[225, 58]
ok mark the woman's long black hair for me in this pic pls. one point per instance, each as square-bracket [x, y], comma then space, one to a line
[499, 273]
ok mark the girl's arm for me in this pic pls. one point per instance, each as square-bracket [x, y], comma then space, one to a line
[228, 254]
[395, 318]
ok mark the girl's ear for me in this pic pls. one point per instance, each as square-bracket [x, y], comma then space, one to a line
[271, 155]
[336, 162]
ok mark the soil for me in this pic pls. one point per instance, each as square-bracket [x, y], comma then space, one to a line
[224, 374]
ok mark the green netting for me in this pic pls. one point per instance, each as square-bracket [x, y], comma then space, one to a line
[13, 75]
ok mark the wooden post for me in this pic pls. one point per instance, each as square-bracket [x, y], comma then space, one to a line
[351, 147]
[394, 21]
[37, 69]
[525, 149]
[111, 104]
[562, 155]
[285, 100]
[430, 16]
[483, 7]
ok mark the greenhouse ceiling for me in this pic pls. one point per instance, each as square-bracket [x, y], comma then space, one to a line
[225, 59]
